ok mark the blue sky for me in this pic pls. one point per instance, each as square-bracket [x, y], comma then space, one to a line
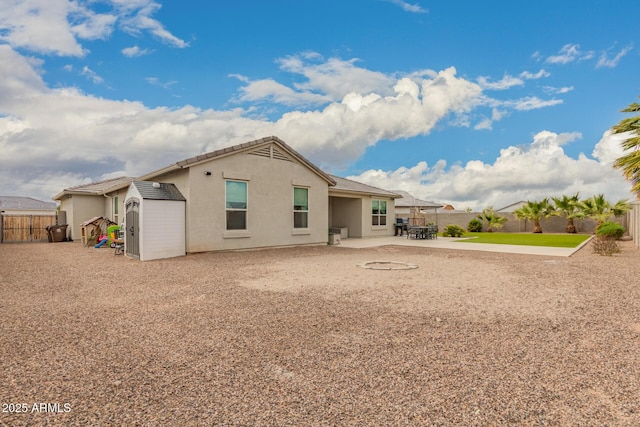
[468, 103]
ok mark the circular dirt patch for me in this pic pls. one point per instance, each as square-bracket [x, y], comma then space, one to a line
[387, 265]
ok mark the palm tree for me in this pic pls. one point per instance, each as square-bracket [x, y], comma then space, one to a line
[621, 207]
[570, 208]
[535, 211]
[494, 220]
[630, 162]
[598, 208]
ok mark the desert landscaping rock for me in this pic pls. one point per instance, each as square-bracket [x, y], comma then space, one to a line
[302, 336]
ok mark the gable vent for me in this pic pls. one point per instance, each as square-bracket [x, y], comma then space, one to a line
[271, 152]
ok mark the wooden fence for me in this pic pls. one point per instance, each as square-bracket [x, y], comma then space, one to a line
[25, 228]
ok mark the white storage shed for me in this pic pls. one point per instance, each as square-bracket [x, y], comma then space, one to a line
[154, 221]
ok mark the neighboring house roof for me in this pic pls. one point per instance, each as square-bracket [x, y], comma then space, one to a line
[347, 185]
[512, 207]
[247, 146]
[97, 188]
[158, 191]
[408, 201]
[25, 203]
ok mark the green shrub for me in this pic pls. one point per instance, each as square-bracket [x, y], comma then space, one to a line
[605, 246]
[610, 230]
[475, 225]
[453, 231]
[607, 236]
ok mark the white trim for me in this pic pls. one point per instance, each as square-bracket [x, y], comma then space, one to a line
[236, 234]
[294, 211]
[300, 231]
[226, 209]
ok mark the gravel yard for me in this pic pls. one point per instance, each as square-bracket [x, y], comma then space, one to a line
[303, 336]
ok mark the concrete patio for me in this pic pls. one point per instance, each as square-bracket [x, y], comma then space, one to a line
[459, 244]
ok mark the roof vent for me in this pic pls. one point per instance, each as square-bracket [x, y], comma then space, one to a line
[155, 185]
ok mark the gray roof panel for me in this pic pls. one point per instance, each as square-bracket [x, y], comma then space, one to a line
[158, 191]
[408, 201]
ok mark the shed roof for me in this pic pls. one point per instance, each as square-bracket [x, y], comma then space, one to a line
[25, 203]
[348, 185]
[408, 201]
[158, 191]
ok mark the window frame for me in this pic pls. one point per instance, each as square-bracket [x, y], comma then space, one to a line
[116, 208]
[305, 212]
[376, 217]
[229, 209]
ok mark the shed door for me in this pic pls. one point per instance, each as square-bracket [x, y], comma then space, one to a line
[132, 234]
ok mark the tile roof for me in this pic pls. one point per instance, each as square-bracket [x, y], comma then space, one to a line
[343, 184]
[25, 203]
[408, 201]
[242, 147]
[99, 187]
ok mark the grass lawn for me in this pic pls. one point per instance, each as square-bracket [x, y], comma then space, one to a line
[527, 239]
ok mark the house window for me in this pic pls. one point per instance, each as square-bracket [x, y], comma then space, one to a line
[300, 207]
[236, 205]
[378, 212]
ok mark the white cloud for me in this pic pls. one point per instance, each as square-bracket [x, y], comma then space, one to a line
[136, 17]
[156, 82]
[63, 132]
[557, 90]
[270, 90]
[408, 7]
[57, 26]
[608, 149]
[506, 82]
[485, 124]
[531, 76]
[135, 51]
[570, 53]
[335, 77]
[530, 103]
[91, 75]
[41, 26]
[605, 61]
[539, 169]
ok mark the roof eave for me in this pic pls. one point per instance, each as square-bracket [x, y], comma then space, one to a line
[365, 193]
[159, 172]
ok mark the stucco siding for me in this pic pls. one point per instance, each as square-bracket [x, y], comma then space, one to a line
[80, 208]
[369, 230]
[346, 212]
[270, 184]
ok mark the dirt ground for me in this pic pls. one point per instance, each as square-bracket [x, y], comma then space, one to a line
[304, 336]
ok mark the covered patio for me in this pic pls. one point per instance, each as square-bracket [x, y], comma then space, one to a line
[414, 209]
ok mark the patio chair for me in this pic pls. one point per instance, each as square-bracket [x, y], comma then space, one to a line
[414, 233]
